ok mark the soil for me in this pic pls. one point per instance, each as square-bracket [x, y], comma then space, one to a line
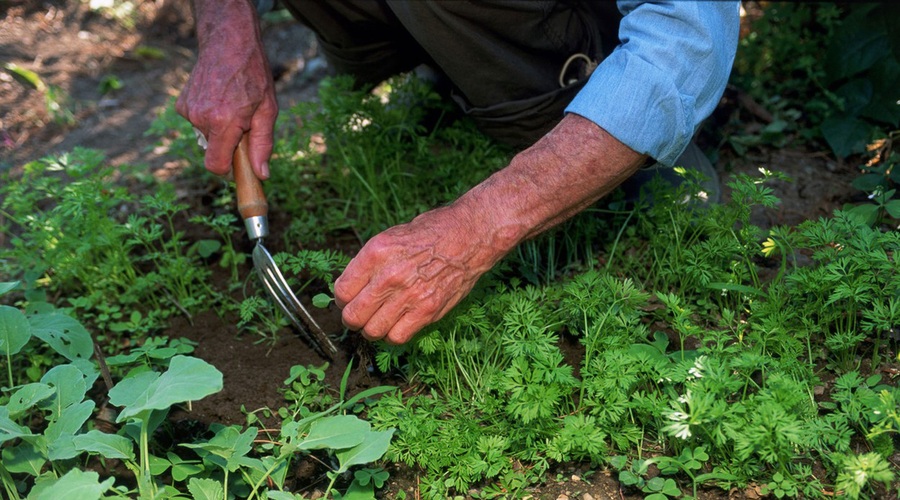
[76, 49]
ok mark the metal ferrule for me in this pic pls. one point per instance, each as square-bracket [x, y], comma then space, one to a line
[257, 227]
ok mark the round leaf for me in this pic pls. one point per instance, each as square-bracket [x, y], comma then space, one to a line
[64, 334]
[14, 330]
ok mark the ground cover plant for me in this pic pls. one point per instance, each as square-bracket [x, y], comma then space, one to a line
[682, 349]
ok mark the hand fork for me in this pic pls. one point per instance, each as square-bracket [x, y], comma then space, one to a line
[254, 209]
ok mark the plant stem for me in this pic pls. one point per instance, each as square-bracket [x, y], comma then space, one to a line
[8, 484]
[9, 368]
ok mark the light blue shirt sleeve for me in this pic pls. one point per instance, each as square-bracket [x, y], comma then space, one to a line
[665, 77]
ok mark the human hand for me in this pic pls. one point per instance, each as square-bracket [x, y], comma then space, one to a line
[230, 90]
[411, 275]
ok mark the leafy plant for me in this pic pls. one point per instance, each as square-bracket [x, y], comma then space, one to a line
[852, 97]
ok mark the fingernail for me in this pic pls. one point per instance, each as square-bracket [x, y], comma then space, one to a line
[265, 170]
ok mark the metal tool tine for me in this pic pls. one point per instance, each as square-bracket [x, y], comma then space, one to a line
[288, 302]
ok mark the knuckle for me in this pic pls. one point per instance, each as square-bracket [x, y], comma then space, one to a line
[351, 319]
[372, 333]
[430, 304]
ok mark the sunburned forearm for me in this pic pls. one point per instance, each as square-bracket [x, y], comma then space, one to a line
[562, 174]
[225, 22]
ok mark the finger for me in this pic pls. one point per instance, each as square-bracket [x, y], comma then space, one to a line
[358, 312]
[261, 130]
[220, 152]
[385, 317]
[348, 285]
[406, 328]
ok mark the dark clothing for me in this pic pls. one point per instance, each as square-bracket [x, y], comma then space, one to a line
[503, 58]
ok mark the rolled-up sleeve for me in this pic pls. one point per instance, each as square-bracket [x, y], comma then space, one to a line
[666, 75]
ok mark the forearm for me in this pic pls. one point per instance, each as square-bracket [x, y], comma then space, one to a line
[230, 91]
[565, 172]
[227, 23]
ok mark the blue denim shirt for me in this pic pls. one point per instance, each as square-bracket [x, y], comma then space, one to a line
[665, 77]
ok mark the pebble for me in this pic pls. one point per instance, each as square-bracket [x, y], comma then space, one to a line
[587, 496]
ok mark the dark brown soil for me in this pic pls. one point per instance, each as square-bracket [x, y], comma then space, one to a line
[73, 48]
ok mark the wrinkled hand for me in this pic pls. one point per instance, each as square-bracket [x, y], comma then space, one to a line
[230, 90]
[413, 274]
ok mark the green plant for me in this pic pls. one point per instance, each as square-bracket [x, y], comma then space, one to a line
[109, 84]
[75, 231]
[851, 100]
[56, 101]
[145, 396]
[859, 472]
[372, 161]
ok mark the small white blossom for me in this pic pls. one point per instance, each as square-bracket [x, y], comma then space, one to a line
[678, 415]
[696, 371]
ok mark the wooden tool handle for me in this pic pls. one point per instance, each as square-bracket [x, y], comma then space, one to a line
[251, 199]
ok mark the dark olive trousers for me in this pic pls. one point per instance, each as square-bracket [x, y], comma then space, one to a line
[506, 60]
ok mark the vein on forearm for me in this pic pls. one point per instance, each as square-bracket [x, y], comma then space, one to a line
[562, 174]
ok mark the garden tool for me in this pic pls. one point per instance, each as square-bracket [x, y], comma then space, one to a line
[254, 209]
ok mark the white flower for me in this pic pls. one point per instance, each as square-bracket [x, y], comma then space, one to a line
[681, 430]
[696, 371]
[678, 416]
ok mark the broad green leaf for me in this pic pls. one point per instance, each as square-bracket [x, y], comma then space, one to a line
[205, 248]
[856, 94]
[337, 432]
[27, 396]
[75, 485]
[857, 45]
[373, 448]
[60, 434]
[64, 334]
[321, 300]
[884, 106]
[23, 459]
[656, 484]
[162, 353]
[257, 468]
[865, 213]
[206, 489]
[131, 389]
[14, 330]
[846, 134]
[869, 182]
[159, 465]
[670, 488]
[9, 429]
[893, 208]
[187, 379]
[106, 445]
[70, 385]
[6, 286]
[228, 446]
[358, 491]
[124, 359]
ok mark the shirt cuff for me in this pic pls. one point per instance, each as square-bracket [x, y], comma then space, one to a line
[638, 105]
